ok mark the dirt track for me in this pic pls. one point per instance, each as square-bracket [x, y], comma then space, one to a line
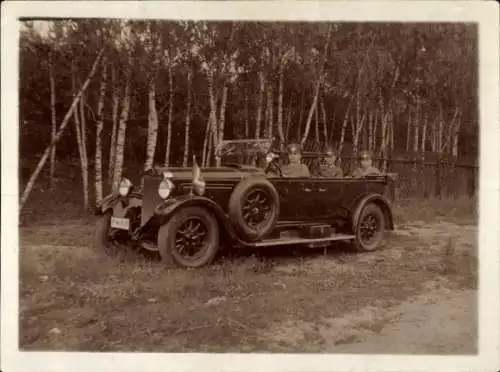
[397, 300]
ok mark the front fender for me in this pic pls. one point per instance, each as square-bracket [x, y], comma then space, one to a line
[378, 199]
[109, 202]
[166, 210]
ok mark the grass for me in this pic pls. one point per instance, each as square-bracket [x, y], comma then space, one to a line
[74, 298]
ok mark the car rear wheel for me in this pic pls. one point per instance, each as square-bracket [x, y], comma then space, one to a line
[254, 208]
[190, 238]
[370, 228]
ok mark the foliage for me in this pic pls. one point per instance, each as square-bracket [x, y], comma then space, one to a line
[408, 76]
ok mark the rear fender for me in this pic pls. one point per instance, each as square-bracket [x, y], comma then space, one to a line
[381, 201]
[165, 211]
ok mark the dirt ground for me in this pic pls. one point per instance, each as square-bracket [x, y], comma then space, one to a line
[417, 295]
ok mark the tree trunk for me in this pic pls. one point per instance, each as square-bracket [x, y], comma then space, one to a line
[316, 120]
[301, 114]
[344, 126]
[222, 120]
[53, 117]
[408, 129]
[358, 132]
[416, 121]
[455, 136]
[116, 103]
[319, 82]
[85, 167]
[98, 136]
[152, 126]
[170, 113]
[280, 102]
[270, 111]
[260, 102]
[323, 116]
[205, 142]
[247, 115]
[122, 131]
[370, 131]
[424, 135]
[188, 121]
[311, 112]
[288, 122]
[152, 111]
[43, 160]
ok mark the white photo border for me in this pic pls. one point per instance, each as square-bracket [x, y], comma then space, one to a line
[485, 13]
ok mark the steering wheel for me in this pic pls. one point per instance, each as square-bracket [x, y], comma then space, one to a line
[274, 167]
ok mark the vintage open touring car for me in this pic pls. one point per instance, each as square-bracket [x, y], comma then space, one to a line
[186, 214]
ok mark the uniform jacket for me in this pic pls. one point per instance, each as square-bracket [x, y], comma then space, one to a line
[361, 172]
[295, 170]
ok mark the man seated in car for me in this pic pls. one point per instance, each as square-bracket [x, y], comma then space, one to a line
[366, 168]
[328, 168]
[295, 168]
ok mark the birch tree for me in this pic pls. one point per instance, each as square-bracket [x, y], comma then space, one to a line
[62, 127]
[99, 128]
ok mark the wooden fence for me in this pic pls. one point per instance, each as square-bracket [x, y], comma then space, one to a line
[426, 177]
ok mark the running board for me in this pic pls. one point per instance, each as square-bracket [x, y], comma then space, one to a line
[297, 240]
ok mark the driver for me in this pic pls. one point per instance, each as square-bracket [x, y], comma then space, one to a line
[295, 168]
[366, 168]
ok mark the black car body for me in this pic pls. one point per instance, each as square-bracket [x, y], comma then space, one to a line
[239, 205]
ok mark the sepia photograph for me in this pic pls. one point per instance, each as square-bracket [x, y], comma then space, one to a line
[238, 182]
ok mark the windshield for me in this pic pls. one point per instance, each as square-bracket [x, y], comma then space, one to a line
[244, 151]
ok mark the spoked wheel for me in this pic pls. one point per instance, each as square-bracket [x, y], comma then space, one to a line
[256, 208]
[112, 241]
[190, 238]
[370, 228]
[103, 241]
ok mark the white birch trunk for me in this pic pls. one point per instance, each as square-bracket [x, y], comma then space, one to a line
[53, 118]
[323, 115]
[408, 130]
[112, 147]
[424, 135]
[85, 170]
[222, 120]
[170, 113]
[270, 108]
[260, 103]
[62, 127]
[455, 136]
[122, 132]
[188, 121]
[98, 136]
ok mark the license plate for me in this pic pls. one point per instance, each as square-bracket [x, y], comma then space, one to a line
[120, 223]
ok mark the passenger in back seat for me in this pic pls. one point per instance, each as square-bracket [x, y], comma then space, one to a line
[295, 168]
[329, 168]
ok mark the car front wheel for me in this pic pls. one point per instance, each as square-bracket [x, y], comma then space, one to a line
[190, 238]
[102, 241]
[369, 229]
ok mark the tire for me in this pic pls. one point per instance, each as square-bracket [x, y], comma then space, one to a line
[102, 242]
[170, 232]
[238, 201]
[370, 213]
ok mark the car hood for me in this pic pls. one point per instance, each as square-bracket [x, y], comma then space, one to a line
[212, 173]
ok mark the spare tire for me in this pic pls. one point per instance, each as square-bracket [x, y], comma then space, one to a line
[254, 208]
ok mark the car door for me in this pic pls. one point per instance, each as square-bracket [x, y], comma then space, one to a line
[297, 200]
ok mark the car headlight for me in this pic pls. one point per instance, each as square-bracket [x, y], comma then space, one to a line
[165, 188]
[124, 186]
